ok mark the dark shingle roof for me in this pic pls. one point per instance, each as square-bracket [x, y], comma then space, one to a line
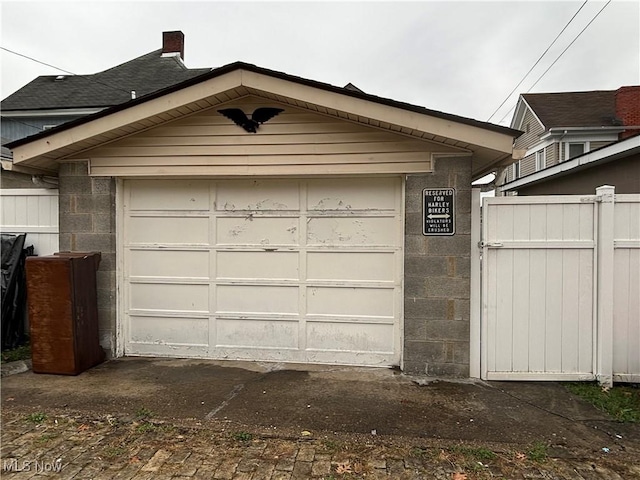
[145, 74]
[216, 72]
[574, 109]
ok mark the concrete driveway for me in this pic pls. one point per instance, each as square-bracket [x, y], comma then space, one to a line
[287, 397]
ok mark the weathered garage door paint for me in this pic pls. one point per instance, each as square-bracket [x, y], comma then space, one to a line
[278, 270]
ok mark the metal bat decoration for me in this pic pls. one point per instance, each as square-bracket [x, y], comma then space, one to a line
[260, 115]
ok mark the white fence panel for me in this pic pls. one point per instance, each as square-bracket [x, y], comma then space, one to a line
[539, 258]
[33, 211]
[626, 292]
[560, 288]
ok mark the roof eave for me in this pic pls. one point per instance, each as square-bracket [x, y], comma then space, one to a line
[562, 131]
[604, 154]
[44, 148]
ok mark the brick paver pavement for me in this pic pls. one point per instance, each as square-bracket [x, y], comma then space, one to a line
[78, 447]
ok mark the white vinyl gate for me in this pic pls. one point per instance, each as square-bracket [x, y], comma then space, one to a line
[33, 211]
[560, 288]
[274, 270]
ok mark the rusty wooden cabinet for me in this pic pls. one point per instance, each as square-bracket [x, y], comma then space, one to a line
[63, 312]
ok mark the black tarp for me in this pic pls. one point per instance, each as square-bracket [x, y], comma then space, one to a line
[14, 289]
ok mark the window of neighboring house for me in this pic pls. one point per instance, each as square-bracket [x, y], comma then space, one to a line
[516, 170]
[574, 149]
[541, 160]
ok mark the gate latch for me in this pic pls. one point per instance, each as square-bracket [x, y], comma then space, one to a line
[490, 244]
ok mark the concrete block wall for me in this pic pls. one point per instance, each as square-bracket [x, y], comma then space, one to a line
[437, 277]
[88, 224]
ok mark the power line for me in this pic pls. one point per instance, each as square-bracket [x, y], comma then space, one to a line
[561, 54]
[537, 61]
[508, 112]
[90, 78]
[577, 36]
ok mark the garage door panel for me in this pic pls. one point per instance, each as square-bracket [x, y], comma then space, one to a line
[371, 266]
[169, 263]
[170, 330]
[168, 230]
[369, 231]
[258, 195]
[169, 195]
[257, 299]
[290, 270]
[257, 231]
[254, 333]
[258, 265]
[169, 297]
[351, 194]
[350, 301]
[350, 337]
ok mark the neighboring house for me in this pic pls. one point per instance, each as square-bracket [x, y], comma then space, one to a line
[51, 100]
[302, 242]
[617, 164]
[562, 126]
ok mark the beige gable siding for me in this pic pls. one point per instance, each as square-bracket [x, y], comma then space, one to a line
[530, 138]
[294, 142]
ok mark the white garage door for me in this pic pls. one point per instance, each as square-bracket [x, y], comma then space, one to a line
[274, 270]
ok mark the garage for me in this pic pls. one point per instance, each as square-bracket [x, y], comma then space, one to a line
[271, 269]
[250, 214]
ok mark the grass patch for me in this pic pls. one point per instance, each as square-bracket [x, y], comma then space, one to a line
[46, 437]
[111, 452]
[19, 353]
[143, 413]
[622, 403]
[418, 452]
[242, 436]
[146, 427]
[37, 417]
[538, 452]
[167, 428]
[331, 446]
[476, 461]
[480, 454]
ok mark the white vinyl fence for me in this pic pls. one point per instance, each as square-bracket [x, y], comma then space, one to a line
[626, 289]
[560, 288]
[33, 211]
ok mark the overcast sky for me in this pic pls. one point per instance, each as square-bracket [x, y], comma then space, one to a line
[457, 57]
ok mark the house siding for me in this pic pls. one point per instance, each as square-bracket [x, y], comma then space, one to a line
[597, 145]
[87, 224]
[509, 174]
[10, 179]
[532, 137]
[17, 128]
[294, 142]
[528, 165]
[624, 174]
[437, 278]
[551, 153]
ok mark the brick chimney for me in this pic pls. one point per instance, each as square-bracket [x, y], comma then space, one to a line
[173, 43]
[628, 108]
